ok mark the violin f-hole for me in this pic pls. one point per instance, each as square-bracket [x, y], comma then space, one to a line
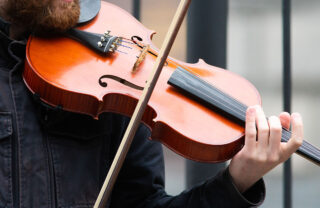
[118, 79]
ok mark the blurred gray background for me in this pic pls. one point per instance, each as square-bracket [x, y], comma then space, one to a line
[255, 52]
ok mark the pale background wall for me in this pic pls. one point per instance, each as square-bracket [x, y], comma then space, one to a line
[255, 52]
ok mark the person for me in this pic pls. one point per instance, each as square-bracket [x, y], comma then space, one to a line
[53, 158]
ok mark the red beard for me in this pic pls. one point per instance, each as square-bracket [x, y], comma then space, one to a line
[43, 16]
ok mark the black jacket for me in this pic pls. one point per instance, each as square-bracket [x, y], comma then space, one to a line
[52, 158]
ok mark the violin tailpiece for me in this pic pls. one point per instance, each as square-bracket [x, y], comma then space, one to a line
[102, 44]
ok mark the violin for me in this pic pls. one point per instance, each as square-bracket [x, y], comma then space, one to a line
[197, 110]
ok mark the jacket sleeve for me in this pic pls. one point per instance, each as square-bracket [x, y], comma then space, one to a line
[141, 183]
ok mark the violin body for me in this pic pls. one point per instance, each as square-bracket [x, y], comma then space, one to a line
[66, 73]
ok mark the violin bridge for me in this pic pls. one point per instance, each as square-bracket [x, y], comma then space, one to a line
[141, 58]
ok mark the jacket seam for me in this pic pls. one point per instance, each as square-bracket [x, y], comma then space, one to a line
[15, 146]
[51, 173]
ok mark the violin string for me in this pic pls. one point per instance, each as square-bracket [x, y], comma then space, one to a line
[219, 98]
[311, 151]
[305, 145]
[227, 100]
[122, 52]
[314, 149]
[232, 104]
[119, 44]
[128, 42]
[286, 135]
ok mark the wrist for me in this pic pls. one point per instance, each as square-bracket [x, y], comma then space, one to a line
[241, 181]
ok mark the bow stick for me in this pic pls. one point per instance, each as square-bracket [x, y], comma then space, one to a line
[141, 106]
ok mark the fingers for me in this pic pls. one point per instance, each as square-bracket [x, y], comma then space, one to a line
[255, 119]
[250, 129]
[263, 128]
[285, 119]
[275, 137]
[262, 160]
[269, 133]
[296, 136]
[297, 126]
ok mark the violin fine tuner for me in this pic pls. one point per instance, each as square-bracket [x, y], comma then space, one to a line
[102, 44]
[109, 43]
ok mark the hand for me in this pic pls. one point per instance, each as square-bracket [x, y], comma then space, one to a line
[263, 149]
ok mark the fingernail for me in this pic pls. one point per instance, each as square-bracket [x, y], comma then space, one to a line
[251, 111]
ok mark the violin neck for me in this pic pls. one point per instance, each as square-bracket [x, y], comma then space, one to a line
[213, 98]
[306, 150]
